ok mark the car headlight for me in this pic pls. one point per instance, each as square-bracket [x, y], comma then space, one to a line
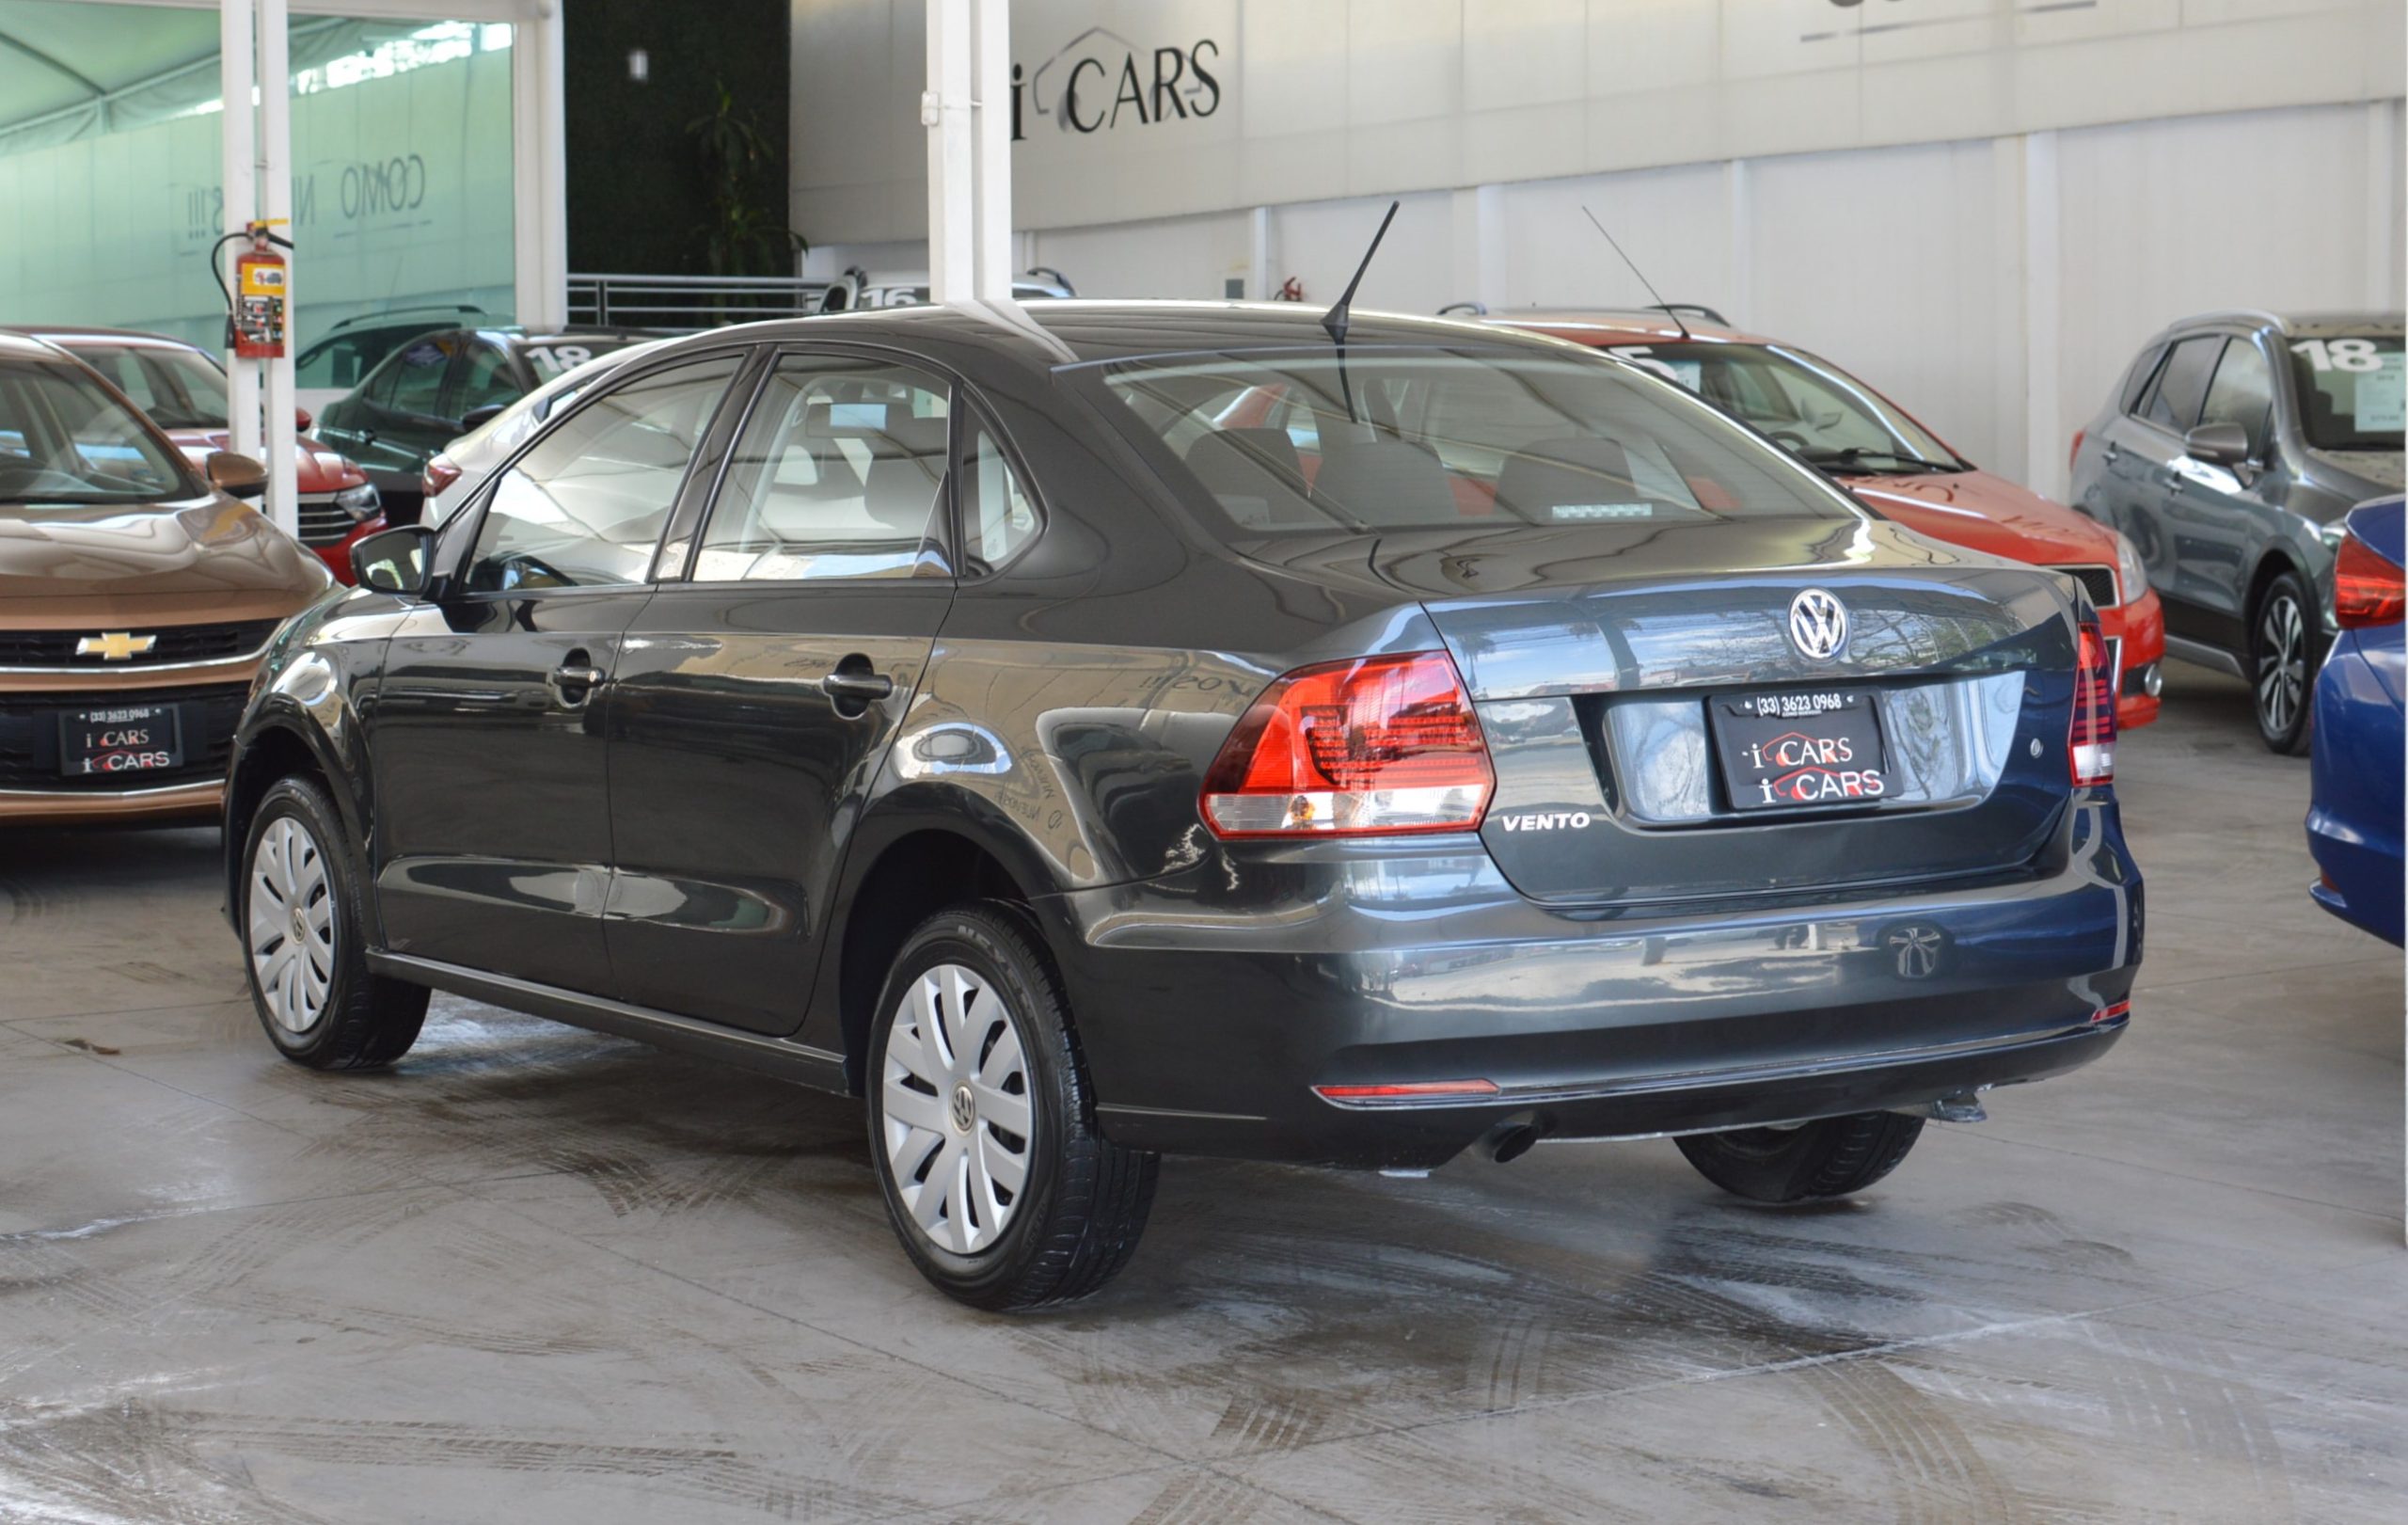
[2132, 577]
[361, 503]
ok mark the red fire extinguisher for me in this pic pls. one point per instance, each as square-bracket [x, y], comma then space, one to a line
[255, 309]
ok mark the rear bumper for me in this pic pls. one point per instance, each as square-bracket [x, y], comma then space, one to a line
[2353, 818]
[1211, 1003]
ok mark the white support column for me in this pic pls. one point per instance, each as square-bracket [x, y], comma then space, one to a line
[238, 167]
[276, 205]
[2009, 424]
[539, 188]
[1480, 246]
[2383, 202]
[1740, 211]
[991, 130]
[944, 110]
[1263, 287]
[2044, 452]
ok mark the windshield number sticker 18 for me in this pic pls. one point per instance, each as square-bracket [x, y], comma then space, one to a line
[2339, 353]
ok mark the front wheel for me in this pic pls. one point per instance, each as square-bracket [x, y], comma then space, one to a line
[304, 918]
[2283, 652]
[999, 1186]
[1831, 1157]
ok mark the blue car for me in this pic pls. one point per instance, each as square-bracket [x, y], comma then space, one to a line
[2353, 816]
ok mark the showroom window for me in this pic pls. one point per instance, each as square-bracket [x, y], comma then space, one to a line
[2242, 394]
[839, 475]
[2175, 401]
[585, 506]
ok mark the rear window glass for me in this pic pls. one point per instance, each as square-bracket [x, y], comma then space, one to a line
[1299, 442]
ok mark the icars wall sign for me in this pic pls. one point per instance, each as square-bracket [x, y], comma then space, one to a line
[1101, 82]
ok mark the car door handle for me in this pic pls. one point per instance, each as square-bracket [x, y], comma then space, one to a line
[2114, 449]
[856, 686]
[573, 682]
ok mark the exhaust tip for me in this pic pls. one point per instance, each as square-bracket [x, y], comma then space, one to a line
[1513, 1137]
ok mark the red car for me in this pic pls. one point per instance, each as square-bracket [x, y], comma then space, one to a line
[1832, 421]
[184, 391]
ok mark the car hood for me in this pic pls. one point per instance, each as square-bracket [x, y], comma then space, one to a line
[2379, 470]
[319, 470]
[213, 548]
[1982, 512]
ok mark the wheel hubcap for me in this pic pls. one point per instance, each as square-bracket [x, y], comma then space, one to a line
[955, 1113]
[2282, 664]
[291, 925]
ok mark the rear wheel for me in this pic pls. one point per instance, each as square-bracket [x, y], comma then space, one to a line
[1830, 1157]
[2283, 653]
[1004, 1194]
[302, 915]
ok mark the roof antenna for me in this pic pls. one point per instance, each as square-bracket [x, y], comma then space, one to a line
[1661, 305]
[1335, 319]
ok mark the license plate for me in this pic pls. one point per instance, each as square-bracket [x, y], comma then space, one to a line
[119, 738]
[1799, 750]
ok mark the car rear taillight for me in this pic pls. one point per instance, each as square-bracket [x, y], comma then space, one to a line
[440, 473]
[2075, 455]
[2090, 744]
[2367, 590]
[1379, 744]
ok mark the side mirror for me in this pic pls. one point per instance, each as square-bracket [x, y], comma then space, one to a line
[394, 561]
[236, 476]
[2217, 444]
[302, 419]
[477, 417]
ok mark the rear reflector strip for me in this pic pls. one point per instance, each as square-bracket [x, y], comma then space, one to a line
[1406, 1092]
[2112, 1013]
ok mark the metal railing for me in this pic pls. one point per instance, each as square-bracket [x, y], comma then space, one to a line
[689, 304]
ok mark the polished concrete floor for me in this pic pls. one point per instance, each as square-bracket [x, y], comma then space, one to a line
[535, 1275]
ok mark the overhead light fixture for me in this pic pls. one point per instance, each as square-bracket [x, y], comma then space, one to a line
[639, 65]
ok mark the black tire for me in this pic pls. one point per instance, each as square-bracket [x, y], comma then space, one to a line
[1075, 1217]
[2286, 645]
[1831, 1157]
[362, 1019]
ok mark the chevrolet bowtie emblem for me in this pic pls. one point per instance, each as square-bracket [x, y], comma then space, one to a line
[116, 646]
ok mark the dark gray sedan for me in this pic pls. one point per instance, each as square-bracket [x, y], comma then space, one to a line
[1144, 728]
[2229, 454]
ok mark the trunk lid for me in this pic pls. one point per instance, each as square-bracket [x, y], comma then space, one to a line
[1596, 657]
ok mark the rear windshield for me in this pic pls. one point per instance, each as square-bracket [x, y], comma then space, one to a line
[1300, 442]
[65, 440]
[180, 388]
[2350, 395]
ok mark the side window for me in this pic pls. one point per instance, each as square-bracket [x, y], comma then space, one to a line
[2144, 371]
[2242, 394]
[585, 506]
[415, 385]
[997, 518]
[487, 378]
[839, 473]
[2184, 382]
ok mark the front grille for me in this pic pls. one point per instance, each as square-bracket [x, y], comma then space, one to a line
[2098, 581]
[176, 644]
[324, 522]
[29, 736]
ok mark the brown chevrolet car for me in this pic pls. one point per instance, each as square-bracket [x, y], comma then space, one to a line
[136, 598]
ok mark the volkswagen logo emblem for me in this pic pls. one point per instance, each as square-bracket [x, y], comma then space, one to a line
[1819, 624]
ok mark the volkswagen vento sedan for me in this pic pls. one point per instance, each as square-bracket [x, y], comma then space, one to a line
[136, 598]
[958, 711]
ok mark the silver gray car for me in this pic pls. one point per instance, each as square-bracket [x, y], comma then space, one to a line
[2229, 454]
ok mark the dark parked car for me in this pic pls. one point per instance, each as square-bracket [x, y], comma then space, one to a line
[333, 364]
[2353, 818]
[960, 716]
[439, 386]
[2228, 454]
